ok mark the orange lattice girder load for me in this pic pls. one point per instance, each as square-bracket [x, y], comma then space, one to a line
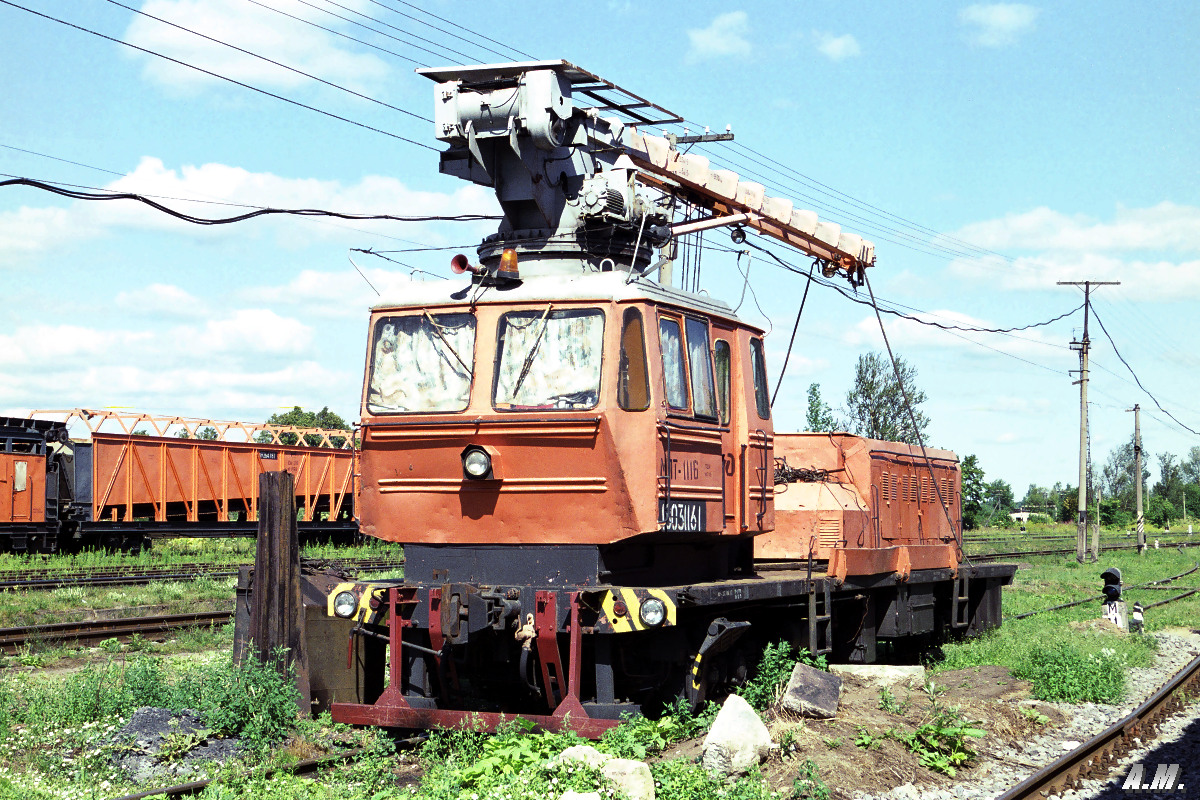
[876, 495]
[164, 478]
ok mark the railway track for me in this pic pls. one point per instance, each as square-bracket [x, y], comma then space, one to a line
[1064, 551]
[133, 576]
[95, 631]
[1096, 757]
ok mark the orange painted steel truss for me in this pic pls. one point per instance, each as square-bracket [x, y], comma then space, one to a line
[128, 422]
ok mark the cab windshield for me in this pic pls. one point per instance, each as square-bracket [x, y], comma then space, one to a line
[548, 359]
[421, 362]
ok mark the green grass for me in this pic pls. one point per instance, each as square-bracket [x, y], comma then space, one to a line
[1079, 662]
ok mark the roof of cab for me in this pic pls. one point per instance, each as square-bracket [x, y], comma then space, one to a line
[597, 286]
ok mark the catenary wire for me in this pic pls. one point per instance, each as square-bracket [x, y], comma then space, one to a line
[63, 160]
[300, 212]
[468, 30]
[338, 33]
[218, 75]
[792, 341]
[875, 229]
[271, 61]
[436, 28]
[868, 206]
[1136, 378]
[395, 28]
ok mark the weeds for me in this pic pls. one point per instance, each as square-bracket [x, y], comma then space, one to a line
[888, 702]
[808, 784]
[773, 672]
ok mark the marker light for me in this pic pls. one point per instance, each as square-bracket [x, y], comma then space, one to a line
[344, 604]
[653, 612]
[477, 463]
[508, 266]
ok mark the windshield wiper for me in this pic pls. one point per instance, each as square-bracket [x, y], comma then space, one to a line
[438, 330]
[532, 352]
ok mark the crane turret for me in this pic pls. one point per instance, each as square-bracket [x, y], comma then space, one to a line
[583, 185]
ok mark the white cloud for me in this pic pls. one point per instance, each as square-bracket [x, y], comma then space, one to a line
[244, 359]
[332, 294]
[160, 300]
[1150, 250]
[997, 24]
[255, 29]
[836, 48]
[1166, 227]
[725, 36]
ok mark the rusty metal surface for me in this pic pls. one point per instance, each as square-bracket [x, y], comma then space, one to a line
[97, 630]
[1094, 758]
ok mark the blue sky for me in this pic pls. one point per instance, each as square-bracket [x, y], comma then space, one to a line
[989, 150]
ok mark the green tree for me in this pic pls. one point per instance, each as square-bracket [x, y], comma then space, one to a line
[875, 404]
[1170, 480]
[973, 492]
[1191, 466]
[1037, 500]
[300, 418]
[1000, 496]
[1159, 511]
[1117, 475]
[820, 416]
[207, 433]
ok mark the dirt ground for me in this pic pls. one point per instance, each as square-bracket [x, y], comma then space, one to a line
[987, 695]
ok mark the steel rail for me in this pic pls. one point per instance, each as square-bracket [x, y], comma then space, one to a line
[1096, 757]
[1071, 551]
[131, 576]
[12, 639]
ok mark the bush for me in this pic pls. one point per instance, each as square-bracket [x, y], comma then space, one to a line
[1064, 672]
[254, 701]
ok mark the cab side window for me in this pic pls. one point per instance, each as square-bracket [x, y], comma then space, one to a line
[758, 366]
[704, 402]
[633, 385]
[721, 357]
[674, 367]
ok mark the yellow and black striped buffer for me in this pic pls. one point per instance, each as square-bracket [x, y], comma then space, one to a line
[631, 620]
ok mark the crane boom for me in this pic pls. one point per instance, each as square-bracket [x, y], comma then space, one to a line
[567, 154]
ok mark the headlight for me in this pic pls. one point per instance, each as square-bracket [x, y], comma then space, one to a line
[345, 604]
[653, 612]
[477, 463]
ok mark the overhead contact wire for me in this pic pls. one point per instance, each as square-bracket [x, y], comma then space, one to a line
[271, 61]
[339, 33]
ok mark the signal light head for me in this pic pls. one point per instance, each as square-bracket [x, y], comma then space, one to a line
[508, 266]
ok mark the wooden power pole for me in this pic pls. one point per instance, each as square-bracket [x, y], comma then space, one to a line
[1082, 347]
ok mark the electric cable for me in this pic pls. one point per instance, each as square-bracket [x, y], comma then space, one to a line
[300, 212]
[913, 421]
[393, 27]
[911, 318]
[218, 75]
[868, 206]
[1136, 378]
[787, 357]
[63, 160]
[339, 33]
[271, 61]
[468, 30]
[436, 28]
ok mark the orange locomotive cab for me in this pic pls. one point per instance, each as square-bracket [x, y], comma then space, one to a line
[582, 412]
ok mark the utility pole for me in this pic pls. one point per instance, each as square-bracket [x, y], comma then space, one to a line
[1082, 347]
[1137, 459]
[1096, 527]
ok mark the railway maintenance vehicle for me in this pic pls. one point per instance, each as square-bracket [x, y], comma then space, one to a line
[579, 456]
